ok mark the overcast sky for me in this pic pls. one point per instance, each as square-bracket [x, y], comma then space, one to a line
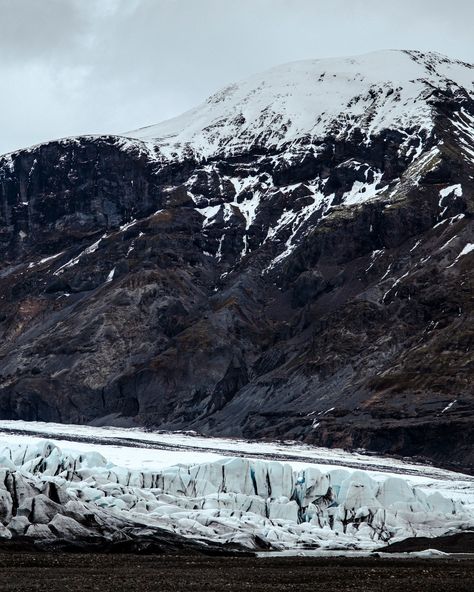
[105, 66]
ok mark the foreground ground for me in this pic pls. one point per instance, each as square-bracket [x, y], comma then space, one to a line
[28, 572]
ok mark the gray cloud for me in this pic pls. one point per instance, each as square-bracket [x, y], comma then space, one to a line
[37, 30]
[98, 66]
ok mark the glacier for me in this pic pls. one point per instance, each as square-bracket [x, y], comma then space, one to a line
[52, 494]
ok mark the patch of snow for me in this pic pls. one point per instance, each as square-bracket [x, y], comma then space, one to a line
[466, 250]
[448, 242]
[297, 222]
[375, 254]
[45, 260]
[362, 192]
[128, 225]
[395, 283]
[452, 189]
[448, 407]
[455, 218]
[75, 260]
[455, 190]
[389, 268]
[209, 214]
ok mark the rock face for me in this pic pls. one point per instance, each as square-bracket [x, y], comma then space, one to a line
[291, 259]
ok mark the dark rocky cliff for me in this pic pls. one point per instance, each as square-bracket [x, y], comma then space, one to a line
[246, 294]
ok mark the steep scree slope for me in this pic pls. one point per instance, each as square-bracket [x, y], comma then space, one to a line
[291, 259]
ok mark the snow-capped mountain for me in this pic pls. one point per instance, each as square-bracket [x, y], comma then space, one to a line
[292, 258]
[305, 102]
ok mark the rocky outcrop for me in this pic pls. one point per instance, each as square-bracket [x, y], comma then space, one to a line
[313, 287]
[461, 542]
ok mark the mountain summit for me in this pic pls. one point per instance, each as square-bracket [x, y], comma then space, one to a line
[291, 259]
[308, 100]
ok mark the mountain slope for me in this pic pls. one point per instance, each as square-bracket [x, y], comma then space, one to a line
[291, 259]
[309, 100]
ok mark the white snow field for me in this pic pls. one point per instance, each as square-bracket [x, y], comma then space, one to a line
[322, 499]
[309, 99]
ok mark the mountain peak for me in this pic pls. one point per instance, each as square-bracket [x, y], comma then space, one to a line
[290, 259]
[311, 99]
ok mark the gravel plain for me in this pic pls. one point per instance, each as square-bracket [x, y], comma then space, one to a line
[70, 572]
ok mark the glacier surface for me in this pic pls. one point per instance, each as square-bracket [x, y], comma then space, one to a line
[49, 493]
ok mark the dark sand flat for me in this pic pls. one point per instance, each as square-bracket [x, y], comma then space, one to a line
[61, 572]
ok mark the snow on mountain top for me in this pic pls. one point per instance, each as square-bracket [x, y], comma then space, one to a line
[312, 98]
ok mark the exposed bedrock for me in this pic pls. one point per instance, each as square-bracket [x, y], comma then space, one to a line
[318, 289]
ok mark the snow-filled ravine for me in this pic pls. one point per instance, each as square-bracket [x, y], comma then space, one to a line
[79, 482]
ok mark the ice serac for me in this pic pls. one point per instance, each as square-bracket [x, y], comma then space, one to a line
[50, 497]
[291, 258]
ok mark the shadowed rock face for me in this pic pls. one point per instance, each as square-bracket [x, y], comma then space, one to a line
[319, 290]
